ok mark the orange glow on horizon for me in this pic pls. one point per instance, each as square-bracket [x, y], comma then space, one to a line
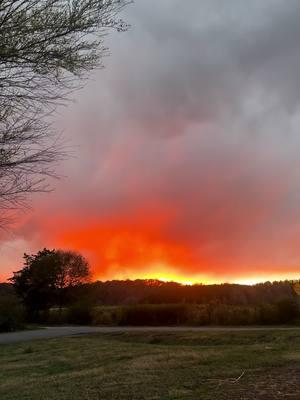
[204, 280]
[166, 273]
[158, 271]
[138, 248]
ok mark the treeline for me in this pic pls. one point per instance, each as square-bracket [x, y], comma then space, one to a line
[152, 302]
[147, 291]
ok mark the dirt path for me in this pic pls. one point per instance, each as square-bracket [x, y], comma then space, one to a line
[52, 332]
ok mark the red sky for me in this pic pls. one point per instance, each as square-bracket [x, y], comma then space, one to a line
[185, 150]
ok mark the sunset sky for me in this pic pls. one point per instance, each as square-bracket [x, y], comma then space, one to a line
[185, 150]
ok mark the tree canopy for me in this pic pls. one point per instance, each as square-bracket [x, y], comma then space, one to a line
[46, 276]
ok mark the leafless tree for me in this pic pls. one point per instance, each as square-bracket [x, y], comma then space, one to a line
[47, 47]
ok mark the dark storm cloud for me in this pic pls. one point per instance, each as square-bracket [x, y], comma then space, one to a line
[197, 113]
[198, 60]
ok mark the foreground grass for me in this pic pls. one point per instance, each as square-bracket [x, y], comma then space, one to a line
[137, 366]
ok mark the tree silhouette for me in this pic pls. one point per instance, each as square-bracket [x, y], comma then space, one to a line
[46, 276]
[47, 47]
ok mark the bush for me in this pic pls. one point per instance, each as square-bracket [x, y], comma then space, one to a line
[11, 314]
[268, 314]
[57, 316]
[83, 313]
[108, 315]
[285, 311]
[158, 314]
[198, 314]
[224, 314]
[80, 314]
[288, 310]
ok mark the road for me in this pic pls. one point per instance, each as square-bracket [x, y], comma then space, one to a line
[59, 331]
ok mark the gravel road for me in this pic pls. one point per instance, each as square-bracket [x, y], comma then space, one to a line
[58, 331]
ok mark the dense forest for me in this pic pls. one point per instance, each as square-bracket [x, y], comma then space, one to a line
[150, 291]
[158, 292]
[152, 302]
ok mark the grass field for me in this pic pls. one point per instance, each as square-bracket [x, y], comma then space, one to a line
[136, 366]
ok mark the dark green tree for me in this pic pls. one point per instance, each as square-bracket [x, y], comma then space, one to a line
[46, 277]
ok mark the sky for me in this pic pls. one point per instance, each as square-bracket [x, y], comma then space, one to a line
[185, 150]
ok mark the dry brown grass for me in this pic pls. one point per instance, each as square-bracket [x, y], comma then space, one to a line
[148, 366]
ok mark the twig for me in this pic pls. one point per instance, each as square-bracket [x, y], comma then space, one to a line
[237, 379]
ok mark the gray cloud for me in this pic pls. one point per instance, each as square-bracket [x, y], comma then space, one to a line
[198, 111]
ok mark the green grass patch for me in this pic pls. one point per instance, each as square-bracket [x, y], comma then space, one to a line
[263, 365]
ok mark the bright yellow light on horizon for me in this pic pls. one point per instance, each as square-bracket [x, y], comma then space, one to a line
[265, 278]
[166, 273]
[159, 271]
[177, 279]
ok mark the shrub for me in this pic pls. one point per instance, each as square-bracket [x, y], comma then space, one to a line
[268, 314]
[11, 314]
[158, 314]
[223, 314]
[198, 314]
[108, 315]
[288, 310]
[79, 314]
[57, 316]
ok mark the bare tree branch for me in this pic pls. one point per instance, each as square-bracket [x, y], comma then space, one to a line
[47, 47]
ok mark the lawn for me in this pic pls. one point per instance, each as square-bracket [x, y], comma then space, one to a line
[260, 365]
